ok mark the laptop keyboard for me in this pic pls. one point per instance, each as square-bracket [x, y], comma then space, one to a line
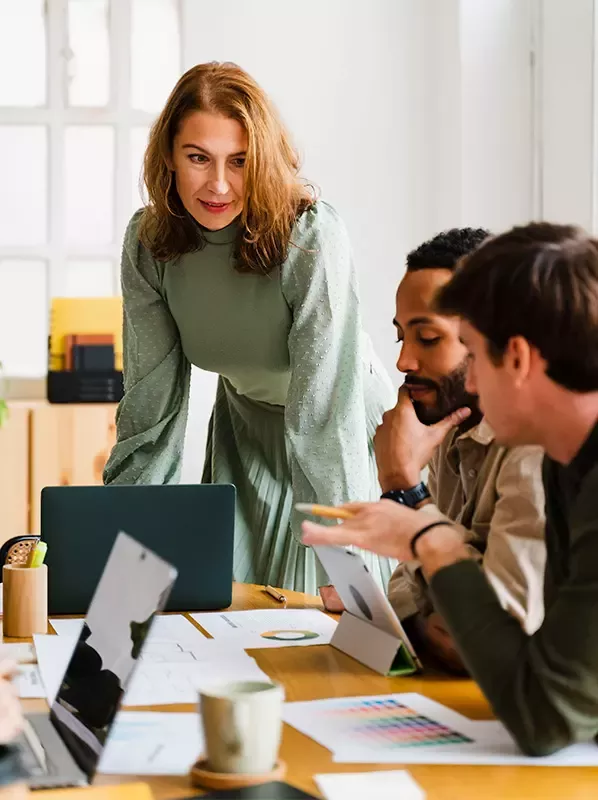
[33, 754]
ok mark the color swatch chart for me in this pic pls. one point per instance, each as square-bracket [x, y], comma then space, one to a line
[377, 724]
[387, 723]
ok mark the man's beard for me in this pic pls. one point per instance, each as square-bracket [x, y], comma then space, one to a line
[450, 395]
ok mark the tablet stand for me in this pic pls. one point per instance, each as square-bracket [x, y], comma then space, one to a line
[372, 646]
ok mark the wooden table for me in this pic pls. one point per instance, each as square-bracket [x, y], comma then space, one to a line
[313, 673]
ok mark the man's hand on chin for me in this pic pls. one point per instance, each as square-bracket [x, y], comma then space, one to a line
[404, 445]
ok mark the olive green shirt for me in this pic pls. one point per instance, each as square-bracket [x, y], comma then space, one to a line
[543, 687]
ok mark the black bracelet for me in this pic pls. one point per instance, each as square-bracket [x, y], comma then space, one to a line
[425, 530]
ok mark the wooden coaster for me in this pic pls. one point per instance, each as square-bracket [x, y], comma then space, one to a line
[203, 777]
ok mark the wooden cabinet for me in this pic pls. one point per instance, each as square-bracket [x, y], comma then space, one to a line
[49, 445]
[70, 445]
[14, 474]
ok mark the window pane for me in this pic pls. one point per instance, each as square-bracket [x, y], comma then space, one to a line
[23, 336]
[24, 184]
[155, 52]
[139, 138]
[93, 278]
[88, 69]
[89, 181]
[22, 53]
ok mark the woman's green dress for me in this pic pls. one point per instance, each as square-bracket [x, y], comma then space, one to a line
[299, 396]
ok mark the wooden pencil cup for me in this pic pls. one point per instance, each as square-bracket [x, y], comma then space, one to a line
[25, 599]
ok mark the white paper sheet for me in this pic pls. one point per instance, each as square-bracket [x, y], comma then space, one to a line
[390, 785]
[20, 652]
[157, 682]
[28, 682]
[364, 735]
[362, 724]
[164, 684]
[152, 743]
[273, 627]
[167, 628]
[53, 655]
[493, 745]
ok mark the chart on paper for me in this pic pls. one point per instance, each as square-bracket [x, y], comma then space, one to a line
[157, 652]
[28, 682]
[161, 682]
[172, 639]
[167, 684]
[269, 627]
[149, 743]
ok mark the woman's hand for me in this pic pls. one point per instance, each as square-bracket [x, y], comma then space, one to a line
[11, 716]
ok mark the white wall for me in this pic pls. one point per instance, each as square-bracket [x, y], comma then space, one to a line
[496, 113]
[349, 85]
[480, 97]
[441, 166]
[411, 115]
[567, 111]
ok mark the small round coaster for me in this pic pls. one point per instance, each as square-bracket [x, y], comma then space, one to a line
[205, 778]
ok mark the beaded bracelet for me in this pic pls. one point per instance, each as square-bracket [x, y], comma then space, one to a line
[425, 530]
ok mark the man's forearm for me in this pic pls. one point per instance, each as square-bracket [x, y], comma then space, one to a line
[400, 479]
[440, 547]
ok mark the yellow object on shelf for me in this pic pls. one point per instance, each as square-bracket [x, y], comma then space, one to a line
[84, 315]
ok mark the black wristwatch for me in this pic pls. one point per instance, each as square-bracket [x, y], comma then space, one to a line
[408, 497]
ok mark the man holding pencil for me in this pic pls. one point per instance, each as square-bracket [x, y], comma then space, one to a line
[493, 493]
[528, 303]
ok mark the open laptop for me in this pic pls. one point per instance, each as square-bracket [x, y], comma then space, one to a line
[63, 747]
[190, 526]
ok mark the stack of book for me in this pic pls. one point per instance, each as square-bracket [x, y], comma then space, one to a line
[85, 350]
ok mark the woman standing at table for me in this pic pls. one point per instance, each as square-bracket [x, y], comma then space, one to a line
[236, 267]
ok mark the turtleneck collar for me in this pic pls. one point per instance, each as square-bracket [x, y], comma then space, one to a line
[223, 236]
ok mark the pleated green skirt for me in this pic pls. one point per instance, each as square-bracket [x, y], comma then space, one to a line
[246, 446]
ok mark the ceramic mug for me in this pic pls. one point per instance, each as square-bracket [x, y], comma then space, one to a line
[242, 726]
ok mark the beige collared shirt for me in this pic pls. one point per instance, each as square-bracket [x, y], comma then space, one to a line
[495, 495]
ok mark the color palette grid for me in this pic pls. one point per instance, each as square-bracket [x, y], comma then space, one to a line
[386, 723]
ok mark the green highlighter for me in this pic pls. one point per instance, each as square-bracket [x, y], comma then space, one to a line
[37, 555]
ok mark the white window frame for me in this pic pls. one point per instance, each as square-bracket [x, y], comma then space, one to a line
[56, 115]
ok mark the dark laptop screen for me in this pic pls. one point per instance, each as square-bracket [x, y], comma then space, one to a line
[135, 585]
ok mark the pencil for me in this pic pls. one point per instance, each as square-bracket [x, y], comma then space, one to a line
[275, 594]
[330, 512]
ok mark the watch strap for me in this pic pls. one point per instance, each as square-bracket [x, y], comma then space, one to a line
[408, 497]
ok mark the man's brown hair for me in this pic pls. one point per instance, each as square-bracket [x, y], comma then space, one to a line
[539, 281]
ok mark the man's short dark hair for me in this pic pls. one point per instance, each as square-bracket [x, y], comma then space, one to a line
[446, 249]
[539, 281]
